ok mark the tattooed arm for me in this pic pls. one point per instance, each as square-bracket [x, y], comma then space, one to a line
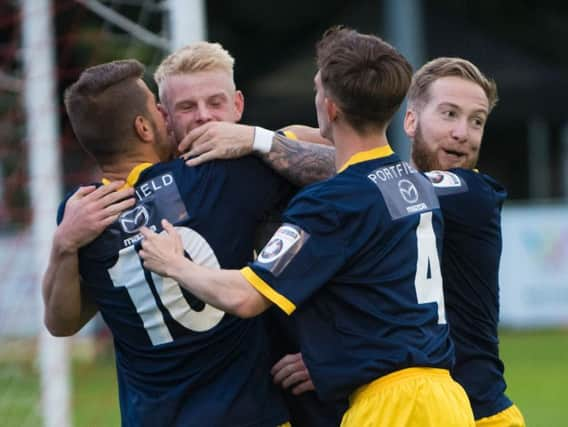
[300, 162]
[306, 133]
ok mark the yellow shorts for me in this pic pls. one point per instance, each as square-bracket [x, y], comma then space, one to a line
[510, 417]
[413, 397]
[287, 424]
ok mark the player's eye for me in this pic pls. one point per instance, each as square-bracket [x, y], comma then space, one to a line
[478, 122]
[216, 101]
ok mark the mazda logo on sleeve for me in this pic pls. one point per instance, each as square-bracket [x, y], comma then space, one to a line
[408, 191]
[131, 221]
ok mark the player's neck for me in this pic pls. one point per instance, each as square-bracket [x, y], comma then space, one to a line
[119, 171]
[348, 143]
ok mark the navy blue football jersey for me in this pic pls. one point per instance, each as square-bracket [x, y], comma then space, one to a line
[181, 362]
[471, 203]
[357, 262]
[306, 409]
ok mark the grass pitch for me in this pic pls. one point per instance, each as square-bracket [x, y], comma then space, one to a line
[536, 369]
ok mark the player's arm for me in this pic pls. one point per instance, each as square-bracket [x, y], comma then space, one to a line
[67, 309]
[300, 162]
[306, 133]
[226, 290]
[87, 213]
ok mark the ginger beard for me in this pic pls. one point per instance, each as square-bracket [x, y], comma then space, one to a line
[427, 156]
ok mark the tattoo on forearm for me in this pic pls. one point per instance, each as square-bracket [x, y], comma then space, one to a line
[236, 152]
[302, 163]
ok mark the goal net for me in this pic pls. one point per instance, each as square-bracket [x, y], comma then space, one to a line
[82, 33]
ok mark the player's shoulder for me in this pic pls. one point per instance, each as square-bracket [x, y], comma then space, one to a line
[467, 194]
[67, 196]
[482, 185]
[216, 170]
[460, 180]
[317, 203]
[172, 167]
[333, 204]
[242, 171]
[326, 192]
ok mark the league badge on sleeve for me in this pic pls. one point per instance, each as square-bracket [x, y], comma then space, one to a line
[446, 182]
[444, 179]
[282, 247]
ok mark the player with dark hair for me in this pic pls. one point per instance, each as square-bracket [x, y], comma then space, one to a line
[449, 102]
[357, 258]
[180, 362]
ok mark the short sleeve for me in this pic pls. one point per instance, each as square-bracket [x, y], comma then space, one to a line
[303, 255]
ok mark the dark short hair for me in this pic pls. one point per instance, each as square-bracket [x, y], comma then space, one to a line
[364, 75]
[102, 106]
[418, 94]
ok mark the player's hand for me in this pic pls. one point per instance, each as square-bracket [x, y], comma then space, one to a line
[89, 211]
[290, 371]
[160, 251]
[216, 140]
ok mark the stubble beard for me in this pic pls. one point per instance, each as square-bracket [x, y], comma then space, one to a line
[167, 150]
[425, 159]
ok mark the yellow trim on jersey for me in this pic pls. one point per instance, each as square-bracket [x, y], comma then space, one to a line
[264, 288]
[363, 156]
[290, 134]
[132, 177]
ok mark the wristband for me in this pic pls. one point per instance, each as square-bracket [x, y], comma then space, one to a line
[262, 142]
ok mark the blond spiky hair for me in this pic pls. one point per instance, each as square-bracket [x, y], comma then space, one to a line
[199, 56]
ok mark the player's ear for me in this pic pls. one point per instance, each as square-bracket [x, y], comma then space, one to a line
[331, 109]
[410, 122]
[239, 104]
[143, 129]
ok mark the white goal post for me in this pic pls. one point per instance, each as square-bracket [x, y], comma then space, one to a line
[187, 24]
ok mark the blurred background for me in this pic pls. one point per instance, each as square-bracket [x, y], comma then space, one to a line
[45, 44]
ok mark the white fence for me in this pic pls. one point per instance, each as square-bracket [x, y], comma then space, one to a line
[534, 266]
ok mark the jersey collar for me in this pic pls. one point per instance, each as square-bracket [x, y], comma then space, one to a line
[132, 177]
[363, 156]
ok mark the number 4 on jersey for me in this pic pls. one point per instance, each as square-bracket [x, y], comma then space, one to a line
[428, 280]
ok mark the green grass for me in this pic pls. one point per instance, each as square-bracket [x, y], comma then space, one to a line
[19, 395]
[536, 370]
[95, 400]
[536, 364]
[94, 394]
